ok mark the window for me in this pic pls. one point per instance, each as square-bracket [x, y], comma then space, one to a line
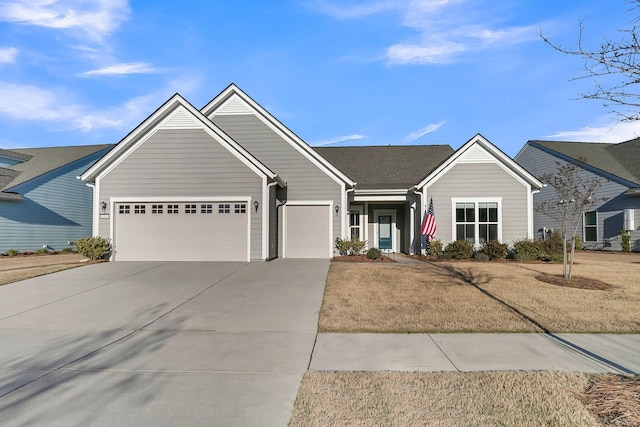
[590, 226]
[139, 209]
[477, 222]
[172, 209]
[124, 209]
[354, 224]
[206, 209]
[190, 209]
[157, 209]
[240, 208]
[224, 208]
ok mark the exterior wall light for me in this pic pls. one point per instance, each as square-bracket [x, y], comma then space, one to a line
[104, 207]
[255, 205]
[337, 208]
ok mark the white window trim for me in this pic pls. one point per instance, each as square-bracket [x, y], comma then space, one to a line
[360, 210]
[584, 233]
[376, 214]
[475, 200]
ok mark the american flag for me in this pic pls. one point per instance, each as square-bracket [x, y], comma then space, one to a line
[429, 222]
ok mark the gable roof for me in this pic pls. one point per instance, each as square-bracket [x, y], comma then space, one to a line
[386, 167]
[486, 149]
[233, 93]
[39, 161]
[163, 112]
[621, 160]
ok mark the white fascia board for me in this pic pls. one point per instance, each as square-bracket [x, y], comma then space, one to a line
[502, 160]
[373, 198]
[279, 128]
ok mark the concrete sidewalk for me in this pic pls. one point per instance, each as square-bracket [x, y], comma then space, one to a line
[592, 353]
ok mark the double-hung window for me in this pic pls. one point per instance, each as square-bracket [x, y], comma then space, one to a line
[590, 223]
[355, 227]
[477, 221]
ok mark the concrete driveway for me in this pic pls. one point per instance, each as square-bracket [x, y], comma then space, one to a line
[159, 343]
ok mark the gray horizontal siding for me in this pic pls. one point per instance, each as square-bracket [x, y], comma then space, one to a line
[185, 163]
[56, 209]
[305, 181]
[610, 212]
[468, 180]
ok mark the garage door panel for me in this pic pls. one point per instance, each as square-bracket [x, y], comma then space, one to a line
[308, 233]
[189, 235]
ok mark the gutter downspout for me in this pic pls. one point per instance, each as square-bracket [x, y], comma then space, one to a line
[95, 210]
[416, 243]
[267, 220]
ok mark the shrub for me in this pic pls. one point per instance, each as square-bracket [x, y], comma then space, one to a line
[625, 240]
[481, 256]
[553, 248]
[460, 249]
[373, 253]
[12, 252]
[41, 251]
[528, 250]
[494, 249]
[343, 246]
[94, 247]
[578, 243]
[357, 246]
[67, 250]
[434, 248]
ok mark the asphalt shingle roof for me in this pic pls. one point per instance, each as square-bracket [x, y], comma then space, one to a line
[622, 160]
[38, 161]
[385, 167]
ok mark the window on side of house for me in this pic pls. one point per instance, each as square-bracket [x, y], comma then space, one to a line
[354, 223]
[466, 222]
[487, 221]
[590, 226]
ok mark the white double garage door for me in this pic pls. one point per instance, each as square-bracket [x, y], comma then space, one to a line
[211, 231]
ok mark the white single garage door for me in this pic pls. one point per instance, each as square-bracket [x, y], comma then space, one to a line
[185, 231]
[307, 231]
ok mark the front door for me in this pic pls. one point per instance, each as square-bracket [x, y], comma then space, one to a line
[384, 232]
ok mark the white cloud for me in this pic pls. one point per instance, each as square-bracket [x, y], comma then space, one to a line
[33, 103]
[611, 132]
[123, 69]
[95, 18]
[8, 55]
[337, 139]
[413, 136]
[429, 53]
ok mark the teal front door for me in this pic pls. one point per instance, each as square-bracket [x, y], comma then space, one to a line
[384, 232]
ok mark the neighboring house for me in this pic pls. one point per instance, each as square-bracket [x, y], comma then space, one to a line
[42, 203]
[230, 182]
[617, 166]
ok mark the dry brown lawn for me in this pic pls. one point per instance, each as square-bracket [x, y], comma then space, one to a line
[13, 269]
[441, 399]
[482, 297]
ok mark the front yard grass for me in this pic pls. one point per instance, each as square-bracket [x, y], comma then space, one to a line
[482, 297]
[442, 399]
[14, 269]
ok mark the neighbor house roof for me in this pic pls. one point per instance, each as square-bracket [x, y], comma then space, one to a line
[385, 167]
[621, 160]
[35, 162]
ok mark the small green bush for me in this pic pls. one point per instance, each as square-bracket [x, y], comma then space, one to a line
[481, 256]
[373, 253]
[357, 246]
[41, 251]
[528, 250]
[67, 250]
[94, 247]
[625, 240]
[349, 247]
[460, 249]
[12, 252]
[553, 248]
[434, 248]
[343, 246]
[494, 249]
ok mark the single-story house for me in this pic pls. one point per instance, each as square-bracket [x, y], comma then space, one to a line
[42, 204]
[618, 168]
[231, 182]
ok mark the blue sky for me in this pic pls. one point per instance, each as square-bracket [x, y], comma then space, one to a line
[335, 72]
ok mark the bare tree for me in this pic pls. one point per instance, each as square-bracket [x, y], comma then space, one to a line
[614, 67]
[574, 196]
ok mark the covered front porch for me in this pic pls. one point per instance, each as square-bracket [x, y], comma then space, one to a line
[386, 219]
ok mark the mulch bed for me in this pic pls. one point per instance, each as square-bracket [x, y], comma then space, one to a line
[614, 400]
[360, 258]
[578, 282]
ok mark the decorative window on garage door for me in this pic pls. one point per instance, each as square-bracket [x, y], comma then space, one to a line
[157, 209]
[124, 209]
[240, 208]
[224, 208]
[190, 209]
[172, 209]
[139, 209]
[206, 209]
